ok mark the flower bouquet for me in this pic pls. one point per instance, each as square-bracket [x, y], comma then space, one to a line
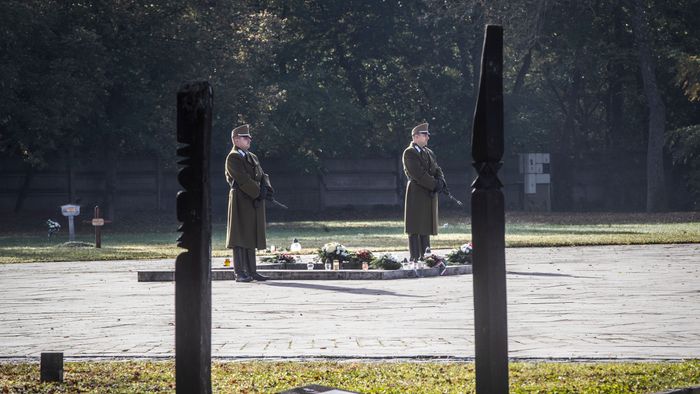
[280, 258]
[362, 256]
[386, 262]
[463, 255]
[333, 251]
[433, 260]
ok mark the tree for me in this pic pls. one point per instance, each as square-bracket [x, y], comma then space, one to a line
[99, 77]
[320, 79]
[656, 193]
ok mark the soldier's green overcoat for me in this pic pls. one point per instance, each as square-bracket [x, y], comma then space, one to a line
[421, 204]
[246, 217]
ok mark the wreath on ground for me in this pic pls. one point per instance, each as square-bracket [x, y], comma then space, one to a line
[460, 256]
[386, 262]
[433, 260]
[280, 258]
[362, 256]
[333, 251]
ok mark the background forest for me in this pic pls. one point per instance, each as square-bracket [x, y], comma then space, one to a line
[93, 80]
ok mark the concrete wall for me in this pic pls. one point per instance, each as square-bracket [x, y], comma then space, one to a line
[341, 183]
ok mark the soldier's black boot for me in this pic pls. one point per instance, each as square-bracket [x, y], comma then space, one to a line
[243, 277]
[260, 278]
[414, 247]
[424, 245]
[239, 265]
[252, 266]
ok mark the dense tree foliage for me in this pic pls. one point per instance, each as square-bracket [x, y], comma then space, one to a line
[350, 78]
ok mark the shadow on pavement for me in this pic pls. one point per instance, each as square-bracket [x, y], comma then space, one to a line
[340, 289]
[548, 274]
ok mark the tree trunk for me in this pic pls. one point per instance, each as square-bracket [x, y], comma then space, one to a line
[465, 62]
[478, 31]
[524, 68]
[533, 41]
[615, 95]
[159, 184]
[614, 105]
[563, 142]
[24, 190]
[656, 191]
[110, 177]
[352, 71]
[70, 174]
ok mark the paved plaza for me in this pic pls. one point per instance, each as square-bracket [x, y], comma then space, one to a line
[584, 303]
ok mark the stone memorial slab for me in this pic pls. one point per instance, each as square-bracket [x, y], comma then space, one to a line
[282, 274]
[315, 388]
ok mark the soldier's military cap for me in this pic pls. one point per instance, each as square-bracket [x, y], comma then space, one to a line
[420, 129]
[241, 131]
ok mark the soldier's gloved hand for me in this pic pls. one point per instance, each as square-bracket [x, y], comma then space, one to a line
[445, 190]
[270, 193]
[439, 186]
[263, 193]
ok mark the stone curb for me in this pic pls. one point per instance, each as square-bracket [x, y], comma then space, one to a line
[277, 274]
[688, 390]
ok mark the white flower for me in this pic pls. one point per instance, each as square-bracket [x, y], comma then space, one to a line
[330, 247]
[334, 249]
[388, 257]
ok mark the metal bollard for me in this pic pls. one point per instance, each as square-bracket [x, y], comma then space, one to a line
[52, 367]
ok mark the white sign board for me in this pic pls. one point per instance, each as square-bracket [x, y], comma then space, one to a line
[530, 183]
[70, 210]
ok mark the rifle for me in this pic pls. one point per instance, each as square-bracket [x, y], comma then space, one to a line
[269, 197]
[256, 202]
[449, 195]
[279, 204]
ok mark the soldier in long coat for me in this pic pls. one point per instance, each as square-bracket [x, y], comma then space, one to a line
[250, 187]
[425, 181]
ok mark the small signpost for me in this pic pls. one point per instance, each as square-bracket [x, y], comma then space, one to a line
[70, 211]
[98, 222]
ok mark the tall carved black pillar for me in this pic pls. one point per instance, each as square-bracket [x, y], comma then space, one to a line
[488, 223]
[193, 267]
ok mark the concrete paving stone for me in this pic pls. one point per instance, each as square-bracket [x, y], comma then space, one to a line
[605, 302]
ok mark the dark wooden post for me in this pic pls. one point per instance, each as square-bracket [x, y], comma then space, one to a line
[51, 368]
[488, 223]
[193, 267]
[98, 227]
[97, 221]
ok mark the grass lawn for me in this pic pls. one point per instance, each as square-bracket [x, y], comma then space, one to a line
[389, 377]
[24, 240]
